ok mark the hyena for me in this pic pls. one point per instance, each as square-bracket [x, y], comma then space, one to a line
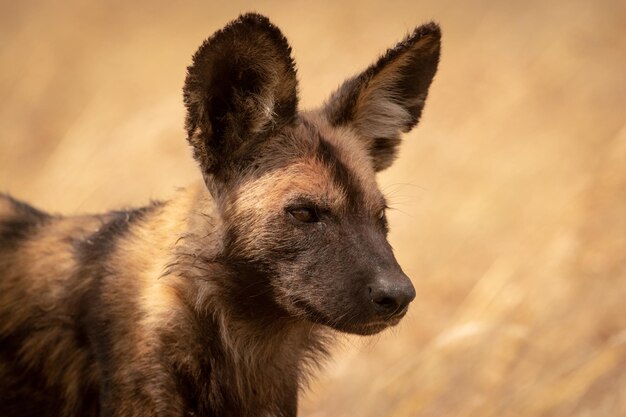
[219, 301]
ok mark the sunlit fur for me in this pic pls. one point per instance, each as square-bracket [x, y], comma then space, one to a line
[216, 302]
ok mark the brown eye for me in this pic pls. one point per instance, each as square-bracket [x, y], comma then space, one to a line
[381, 215]
[304, 214]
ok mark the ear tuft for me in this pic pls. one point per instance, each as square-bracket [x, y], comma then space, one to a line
[388, 97]
[240, 87]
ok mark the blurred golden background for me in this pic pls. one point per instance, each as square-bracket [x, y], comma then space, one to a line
[509, 197]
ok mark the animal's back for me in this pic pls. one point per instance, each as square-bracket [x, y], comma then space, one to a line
[45, 361]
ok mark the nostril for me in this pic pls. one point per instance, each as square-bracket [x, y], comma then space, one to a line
[385, 303]
[389, 298]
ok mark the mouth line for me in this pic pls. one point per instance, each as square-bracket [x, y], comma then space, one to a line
[373, 326]
[388, 322]
[384, 323]
[376, 324]
[395, 317]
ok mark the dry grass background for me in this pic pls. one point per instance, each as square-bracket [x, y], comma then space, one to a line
[510, 195]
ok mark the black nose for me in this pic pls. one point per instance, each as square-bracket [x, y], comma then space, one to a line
[391, 295]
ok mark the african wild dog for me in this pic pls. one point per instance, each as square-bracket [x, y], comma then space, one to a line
[218, 301]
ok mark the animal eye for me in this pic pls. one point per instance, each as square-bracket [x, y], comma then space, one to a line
[382, 218]
[304, 214]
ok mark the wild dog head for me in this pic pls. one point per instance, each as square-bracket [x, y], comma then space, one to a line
[303, 214]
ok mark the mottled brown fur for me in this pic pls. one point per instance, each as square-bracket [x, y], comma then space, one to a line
[218, 301]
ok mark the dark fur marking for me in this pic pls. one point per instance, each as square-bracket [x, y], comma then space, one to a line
[97, 246]
[344, 113]
[340, 172]
[250, 298]
[342, 175]
[19, 226]
[21, 385]
[93, 254]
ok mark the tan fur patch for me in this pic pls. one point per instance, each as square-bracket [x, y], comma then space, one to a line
[353, 152]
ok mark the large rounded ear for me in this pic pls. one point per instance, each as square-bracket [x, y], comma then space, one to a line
[388, 97]
[240, 89]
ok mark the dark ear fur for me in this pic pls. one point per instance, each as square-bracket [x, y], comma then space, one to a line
[240, 88]
[388, 97]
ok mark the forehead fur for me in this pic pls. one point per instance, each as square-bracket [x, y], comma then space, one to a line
[306, 177]
[351, 151]
[304, 163]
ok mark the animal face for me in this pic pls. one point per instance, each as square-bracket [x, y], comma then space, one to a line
[297, 190]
